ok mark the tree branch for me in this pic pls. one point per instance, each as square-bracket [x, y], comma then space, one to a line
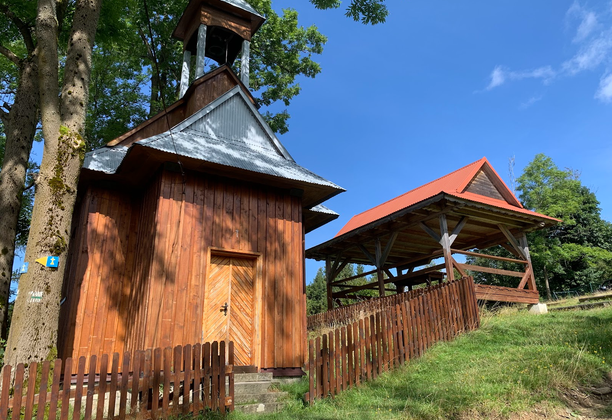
[10, 55]
[23, 27]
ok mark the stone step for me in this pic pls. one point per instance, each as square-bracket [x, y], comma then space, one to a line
[252, 377]
[252, 387]
[260, 408]
[268, 397]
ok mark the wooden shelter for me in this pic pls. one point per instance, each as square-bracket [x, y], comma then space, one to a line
[190, 228]
[471, 208]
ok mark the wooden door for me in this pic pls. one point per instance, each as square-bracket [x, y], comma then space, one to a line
[229, 312]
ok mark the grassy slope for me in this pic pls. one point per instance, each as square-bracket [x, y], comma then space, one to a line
[514, 363]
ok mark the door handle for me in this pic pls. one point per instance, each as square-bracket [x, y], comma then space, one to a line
[224, 309]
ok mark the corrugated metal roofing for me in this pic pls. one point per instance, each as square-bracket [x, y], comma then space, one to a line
[453, 184]
[227, 132]
[106, 159]
[242, 5]
[320, 208]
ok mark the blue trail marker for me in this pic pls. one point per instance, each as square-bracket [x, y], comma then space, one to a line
[51, 262]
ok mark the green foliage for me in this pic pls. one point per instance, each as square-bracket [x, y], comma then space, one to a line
[366, 11]
[281, 51]
[316, 292]
[578, 250]
[573, 254]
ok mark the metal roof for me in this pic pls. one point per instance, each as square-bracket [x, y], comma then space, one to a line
[241, 4]
[320, 208]
[453, 184]
[230, 132]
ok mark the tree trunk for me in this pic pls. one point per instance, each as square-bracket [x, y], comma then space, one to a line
[20, 127]
[548, 294]
[33, 334]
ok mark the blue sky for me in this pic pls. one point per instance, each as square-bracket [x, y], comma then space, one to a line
[442, 84]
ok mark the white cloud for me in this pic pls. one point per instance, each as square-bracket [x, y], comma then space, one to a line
[590, 55]
[587, 26]
[498, 77]
[531, 101]
[588, 21]
[604, 93]
[593, 39]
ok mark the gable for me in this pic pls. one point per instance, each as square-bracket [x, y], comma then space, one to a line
[481, 184]
[234, 121]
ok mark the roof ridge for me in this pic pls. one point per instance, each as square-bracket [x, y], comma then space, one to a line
[418, 188]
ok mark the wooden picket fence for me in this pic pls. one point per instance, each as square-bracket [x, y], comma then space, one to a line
[345, 315]
[361, 351]
[153, 384]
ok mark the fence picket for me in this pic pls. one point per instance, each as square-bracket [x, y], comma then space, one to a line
[356, 370]
[187, 375]
[221, 376]
[18, 392]
[42, 391]
[124, 385]
[176, 379]
[78, 391]
[91, 383]
[311, 371]
[136, 371]
[206, 371]
[29, 403]
[215, 372]
[368, 349]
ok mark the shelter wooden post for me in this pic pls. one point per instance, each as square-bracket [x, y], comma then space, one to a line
[530, 273]
[379, 270]
[521, 248]
[445, 242]
[329, 276]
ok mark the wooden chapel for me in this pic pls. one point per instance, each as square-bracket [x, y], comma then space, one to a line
[190, 227]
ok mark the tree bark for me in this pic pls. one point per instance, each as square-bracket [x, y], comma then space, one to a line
[33, 334]
[546, 284]
[20, 127]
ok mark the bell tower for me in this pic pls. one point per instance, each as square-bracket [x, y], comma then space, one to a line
[217, 29]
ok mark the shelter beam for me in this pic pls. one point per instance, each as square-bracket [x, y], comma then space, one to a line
[457, 229]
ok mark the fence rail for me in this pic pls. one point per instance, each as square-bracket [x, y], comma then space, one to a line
[361, 351]
[351, 313]
[152, 384]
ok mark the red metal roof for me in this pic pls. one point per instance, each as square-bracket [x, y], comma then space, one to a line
[454, 184]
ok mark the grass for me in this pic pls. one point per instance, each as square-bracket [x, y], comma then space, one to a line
[515, 363]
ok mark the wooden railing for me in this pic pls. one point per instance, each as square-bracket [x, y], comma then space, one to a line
[160, 383]
[507, 294]
[361, 351]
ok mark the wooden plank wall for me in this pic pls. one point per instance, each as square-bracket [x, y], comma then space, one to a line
[93, 318]
[137, 277]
